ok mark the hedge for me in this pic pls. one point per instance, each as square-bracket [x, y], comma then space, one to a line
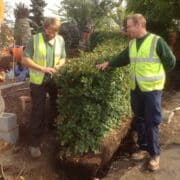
[99, 37]
[91, 103]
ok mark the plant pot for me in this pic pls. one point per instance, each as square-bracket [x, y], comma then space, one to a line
[17, 53]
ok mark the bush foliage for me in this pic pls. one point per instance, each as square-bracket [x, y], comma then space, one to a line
[90, 102]
[99, 37]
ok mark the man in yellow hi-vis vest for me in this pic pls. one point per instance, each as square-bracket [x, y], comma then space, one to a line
[44, 55]
[149, 56]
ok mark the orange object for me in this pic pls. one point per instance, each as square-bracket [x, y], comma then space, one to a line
[2, 76]
[1, 10]
[17, 52]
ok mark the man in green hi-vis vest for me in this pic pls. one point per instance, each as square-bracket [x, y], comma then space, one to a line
[149, 57]
[44, 55]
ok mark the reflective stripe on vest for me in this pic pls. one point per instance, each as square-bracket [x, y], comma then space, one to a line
[146, 68]
[39, 56]
[152, 78]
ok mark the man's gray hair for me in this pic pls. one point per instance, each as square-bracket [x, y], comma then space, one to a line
[52, 21]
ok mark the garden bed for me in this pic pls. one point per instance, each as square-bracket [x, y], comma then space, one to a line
[90, 164]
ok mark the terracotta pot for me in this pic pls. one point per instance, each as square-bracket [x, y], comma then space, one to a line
[17, 52]
[172, 38]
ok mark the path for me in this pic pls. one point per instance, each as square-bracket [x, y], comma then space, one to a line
[125, 169]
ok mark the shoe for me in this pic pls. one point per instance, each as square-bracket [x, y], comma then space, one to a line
[139, 155]
[35, 152]
[154, 163]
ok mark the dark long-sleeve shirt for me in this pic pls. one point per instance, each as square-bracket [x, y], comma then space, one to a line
[163, 51]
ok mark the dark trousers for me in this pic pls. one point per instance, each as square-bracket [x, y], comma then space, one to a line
[38, 120]
[147, 116]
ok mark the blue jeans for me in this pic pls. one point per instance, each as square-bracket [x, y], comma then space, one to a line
[147, 116]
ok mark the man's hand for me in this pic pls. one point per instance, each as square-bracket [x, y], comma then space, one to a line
[31, 64]
[103, 66]
[48, 70]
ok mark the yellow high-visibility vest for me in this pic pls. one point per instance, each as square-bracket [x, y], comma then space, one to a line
[39, 56]
[146, 69]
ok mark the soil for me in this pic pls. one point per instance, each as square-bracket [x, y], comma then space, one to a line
[15, 162]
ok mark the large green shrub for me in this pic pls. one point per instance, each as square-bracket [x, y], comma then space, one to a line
[99, 37]
[90, 102]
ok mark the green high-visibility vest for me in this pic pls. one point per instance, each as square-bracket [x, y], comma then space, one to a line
[39, 56]
[146, 69]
